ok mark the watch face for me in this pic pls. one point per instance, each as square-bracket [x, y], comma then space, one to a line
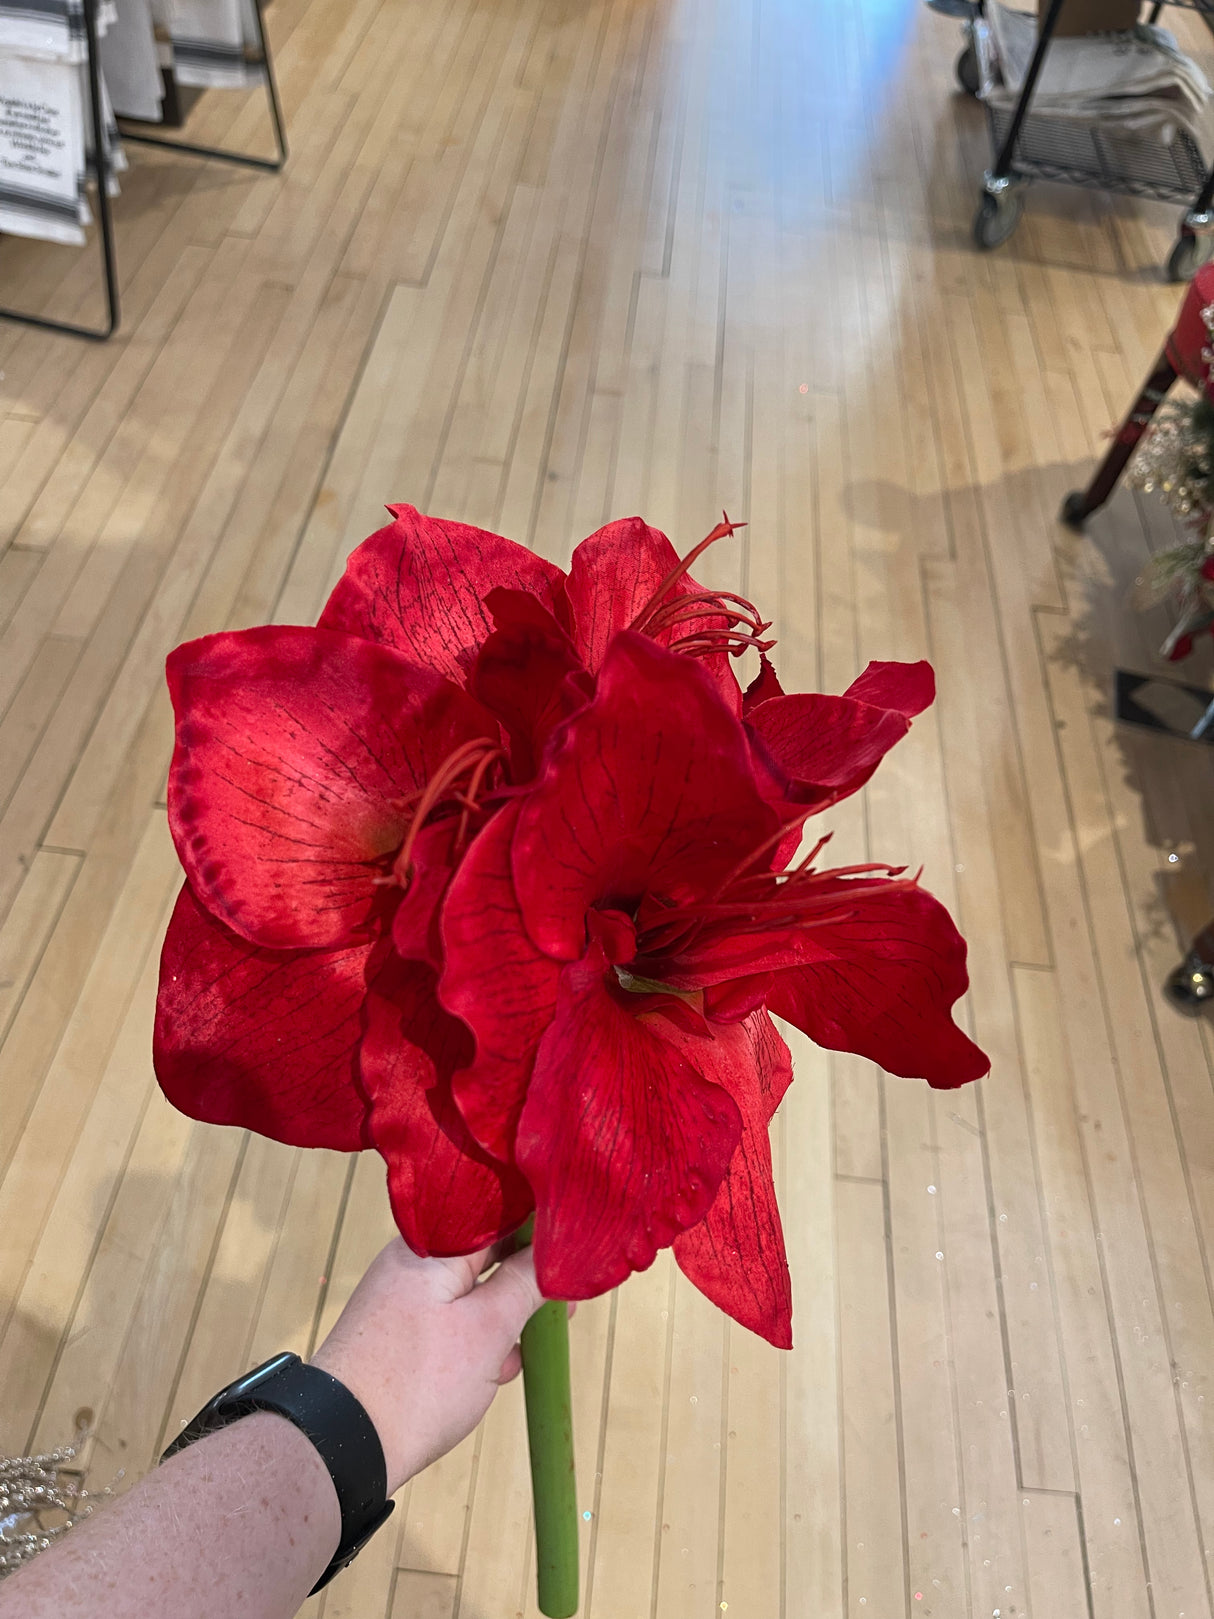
[224, 1406]
[259, 1375]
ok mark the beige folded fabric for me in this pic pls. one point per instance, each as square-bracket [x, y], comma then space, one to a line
[1139, 82]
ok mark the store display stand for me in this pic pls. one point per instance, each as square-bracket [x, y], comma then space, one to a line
[105, 219]
[100, 168]
[1130, 706]
[223, 154]
[1158, 703]
[1081, 503]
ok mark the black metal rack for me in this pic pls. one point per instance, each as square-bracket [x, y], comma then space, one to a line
[100, 170]
[1027, 145]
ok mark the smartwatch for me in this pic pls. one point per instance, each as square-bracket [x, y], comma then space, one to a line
[333, 1420]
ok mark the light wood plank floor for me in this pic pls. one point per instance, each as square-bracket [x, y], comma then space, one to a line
[536, 263]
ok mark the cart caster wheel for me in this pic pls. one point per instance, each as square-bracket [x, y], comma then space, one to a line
[1190, 987]
[1187, 255]
[997, 218]
[1074, 511]
[967, 70]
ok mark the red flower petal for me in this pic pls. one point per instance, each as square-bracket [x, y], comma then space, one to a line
[735, 1256]
[649, 788]
[882, 983]
[735, 999]
[447, 1195]
[419, 586]
[615, 932]
[773, 1060]
[520, 675]
[763, 687]
[294, 749]
[612, 576]
[415, 929]
[907, 687]
[264, 1039]
[623, 1141]
[520, 609]
[825, 747]
[495, 979]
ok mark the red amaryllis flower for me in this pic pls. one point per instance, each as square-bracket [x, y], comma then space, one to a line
[615, 939]
[305, 763]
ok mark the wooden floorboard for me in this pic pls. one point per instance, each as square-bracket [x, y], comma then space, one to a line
[535, 263]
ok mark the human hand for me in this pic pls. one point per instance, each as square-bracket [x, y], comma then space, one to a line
[424, 1348]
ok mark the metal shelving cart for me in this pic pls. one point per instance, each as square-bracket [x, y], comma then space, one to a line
[1026, 145]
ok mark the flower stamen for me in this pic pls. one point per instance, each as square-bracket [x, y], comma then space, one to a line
[742, 630]
[755, 901]
[472, 760]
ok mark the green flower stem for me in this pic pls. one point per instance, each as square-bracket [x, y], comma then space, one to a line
[549, 1403]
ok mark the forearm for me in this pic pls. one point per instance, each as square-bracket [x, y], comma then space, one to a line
[243, 1522]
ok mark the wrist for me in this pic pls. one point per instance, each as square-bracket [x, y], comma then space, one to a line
[278, 1449]
[343, 1361]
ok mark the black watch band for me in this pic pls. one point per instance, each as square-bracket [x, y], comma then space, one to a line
[333, 1420]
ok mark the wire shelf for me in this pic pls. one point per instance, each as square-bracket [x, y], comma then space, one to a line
[1074, 153]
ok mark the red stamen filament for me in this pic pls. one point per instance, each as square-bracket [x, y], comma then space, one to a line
[778, 836]
[751, 904]
[743, 627]
[708, 641]
[474, 759]
[687, 608]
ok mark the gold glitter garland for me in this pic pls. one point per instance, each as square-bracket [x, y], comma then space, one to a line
[41, 1498]
[1175, 460]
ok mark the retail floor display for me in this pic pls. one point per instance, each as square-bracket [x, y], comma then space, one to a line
[59, 136]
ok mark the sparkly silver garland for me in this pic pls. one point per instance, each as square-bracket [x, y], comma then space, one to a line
[41, 1498]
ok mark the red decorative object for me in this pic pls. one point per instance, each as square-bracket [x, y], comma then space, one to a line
[492, 871]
